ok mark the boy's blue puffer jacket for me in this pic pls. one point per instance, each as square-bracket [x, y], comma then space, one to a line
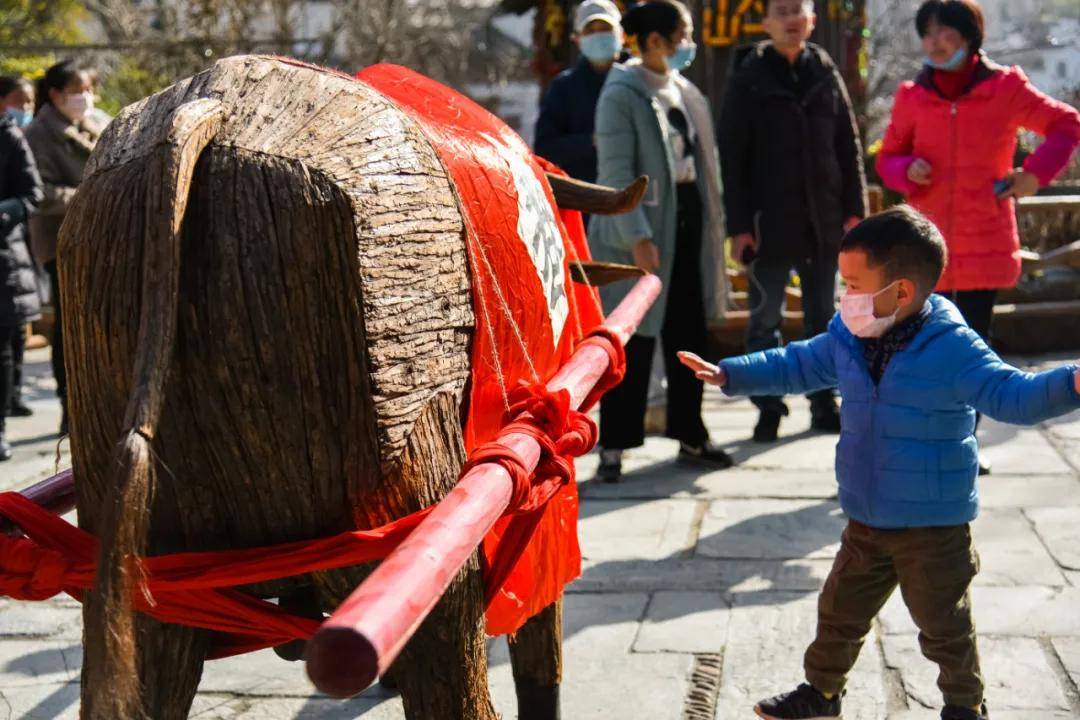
[907, 455]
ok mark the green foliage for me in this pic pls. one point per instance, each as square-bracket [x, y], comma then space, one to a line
[128, 82]
[27, 66]
[29, 21]
[36, 21]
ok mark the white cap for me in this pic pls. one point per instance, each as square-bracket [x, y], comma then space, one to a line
[597, 10]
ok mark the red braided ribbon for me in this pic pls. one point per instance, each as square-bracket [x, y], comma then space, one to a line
[194, 589]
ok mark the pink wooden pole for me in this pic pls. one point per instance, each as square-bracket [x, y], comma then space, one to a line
[365, 634]
[55, 494]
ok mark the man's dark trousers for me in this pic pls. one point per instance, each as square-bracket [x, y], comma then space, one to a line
[767, 296]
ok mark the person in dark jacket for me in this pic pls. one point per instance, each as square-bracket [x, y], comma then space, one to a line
[63, 134]
[793, 183]
[564, 130]
[20, 193]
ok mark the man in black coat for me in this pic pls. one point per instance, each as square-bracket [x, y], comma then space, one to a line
[793, 184]
[20, 193]
[564, 129]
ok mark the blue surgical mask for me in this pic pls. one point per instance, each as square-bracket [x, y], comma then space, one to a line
[682, 57]
[22, 118]
[600, 47]
[952, 63]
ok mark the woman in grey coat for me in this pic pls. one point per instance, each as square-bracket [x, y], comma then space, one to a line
[652, 121]
[20, 193]
[62, 136]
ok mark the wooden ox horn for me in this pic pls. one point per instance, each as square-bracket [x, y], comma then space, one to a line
[592, 272]
[572, 194]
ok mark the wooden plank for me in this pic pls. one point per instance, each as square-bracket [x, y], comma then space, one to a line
[1038, 309]
[1048, 203]
[1065, 255]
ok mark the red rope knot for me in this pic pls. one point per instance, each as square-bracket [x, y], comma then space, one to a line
[29, 571]
[609, 342]
[562, 433]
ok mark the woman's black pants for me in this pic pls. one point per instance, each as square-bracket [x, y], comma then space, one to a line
[622, 410]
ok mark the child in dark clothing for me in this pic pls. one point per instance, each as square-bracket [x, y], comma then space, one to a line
[912, 375]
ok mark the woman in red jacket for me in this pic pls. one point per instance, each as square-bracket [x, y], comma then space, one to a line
[949, 148]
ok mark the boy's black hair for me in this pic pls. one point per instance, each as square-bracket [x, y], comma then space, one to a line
[904, 242]
[963, 16]
[654, 16]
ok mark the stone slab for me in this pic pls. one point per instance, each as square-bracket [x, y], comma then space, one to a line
[1000, 490]
[771, 529]
[596, 628]
[42, 619]
[602, 678]
[1017, 611]
[702, 574]
[1011, 553]
[626, 529]
[684, 622]
[767, 638]
[1068, 650]
[1059, 528]
[1014, 450]
[256, 674]
[1066, 427]
[683, 481]
[39, 662]
[649, 685]
[230, 708]
[40, 702]
[797, 449]
[1016, 671]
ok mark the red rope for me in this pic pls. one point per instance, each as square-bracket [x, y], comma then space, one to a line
[194, 588]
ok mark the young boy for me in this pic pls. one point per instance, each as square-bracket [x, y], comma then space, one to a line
[911, 375]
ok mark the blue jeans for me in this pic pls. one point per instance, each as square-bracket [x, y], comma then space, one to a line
[767, 284]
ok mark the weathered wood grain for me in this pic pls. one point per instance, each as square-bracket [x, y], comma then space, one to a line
[323, 325]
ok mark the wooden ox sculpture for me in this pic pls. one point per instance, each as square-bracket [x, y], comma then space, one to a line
[272, 281]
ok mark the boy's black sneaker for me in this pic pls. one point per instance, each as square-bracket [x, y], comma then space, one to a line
[610, 470]
[768, 424]
[803, 703]
[5, 449]
[706, 454]
[954, 712]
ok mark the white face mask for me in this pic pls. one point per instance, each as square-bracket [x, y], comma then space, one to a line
[857, 313]
[77, 105]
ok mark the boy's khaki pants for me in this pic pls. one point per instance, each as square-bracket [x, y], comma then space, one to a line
[934, 568]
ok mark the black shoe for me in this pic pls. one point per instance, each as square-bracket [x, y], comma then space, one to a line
[984, 466]
[825, 415]
[804, 703]
[953, 712]
[5, 449]
[706, 454]
[768, 424]
[19, 409]
[610, 470]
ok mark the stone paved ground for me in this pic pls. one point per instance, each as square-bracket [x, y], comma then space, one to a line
[682, 569]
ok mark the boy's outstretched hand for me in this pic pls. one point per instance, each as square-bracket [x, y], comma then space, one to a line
[712, 374]
[1076, 381]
